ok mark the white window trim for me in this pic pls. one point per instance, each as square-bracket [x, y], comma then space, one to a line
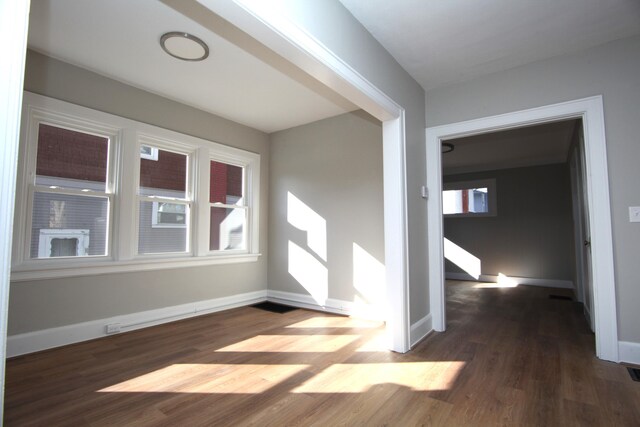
[125, 137]
[489, 184]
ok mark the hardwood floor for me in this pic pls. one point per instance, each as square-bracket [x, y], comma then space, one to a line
[511, 356]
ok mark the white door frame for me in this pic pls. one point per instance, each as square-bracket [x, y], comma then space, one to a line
[14, 21]
[264, 22]
[591, 111]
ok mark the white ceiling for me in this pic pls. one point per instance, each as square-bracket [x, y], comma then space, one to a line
[527, 146]
[120, 39]
[440, 42]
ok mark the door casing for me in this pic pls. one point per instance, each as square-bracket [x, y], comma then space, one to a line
[591, 112]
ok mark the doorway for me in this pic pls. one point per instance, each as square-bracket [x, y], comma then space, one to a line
[515, 210]
[590, 110]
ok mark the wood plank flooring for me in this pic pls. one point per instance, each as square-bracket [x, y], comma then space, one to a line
[511, 356]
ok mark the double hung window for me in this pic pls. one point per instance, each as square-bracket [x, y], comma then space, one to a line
[70, 194]
[470, 198]
[165, 202]
[228, 208]
[100, 193]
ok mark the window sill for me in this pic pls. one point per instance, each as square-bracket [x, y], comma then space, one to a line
[33, 272]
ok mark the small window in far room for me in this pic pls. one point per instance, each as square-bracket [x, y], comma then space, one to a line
[469, 199]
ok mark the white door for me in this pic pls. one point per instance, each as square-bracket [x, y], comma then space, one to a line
[583, 233]
[576, 203]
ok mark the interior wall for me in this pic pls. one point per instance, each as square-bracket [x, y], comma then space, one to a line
[330, 23]
[41, 304]
[609, 70]
[333, 167]
[532, 234]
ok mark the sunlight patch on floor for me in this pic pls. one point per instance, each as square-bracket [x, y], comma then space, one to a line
[503, 282]
[379, 343]
[208, 378]
[358, 378]
[293, 343]
[336, 322]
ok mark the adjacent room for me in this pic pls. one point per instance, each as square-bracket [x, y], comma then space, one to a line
[515, 211]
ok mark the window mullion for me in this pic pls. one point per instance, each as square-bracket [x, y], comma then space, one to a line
[125, 230]
[201, 223]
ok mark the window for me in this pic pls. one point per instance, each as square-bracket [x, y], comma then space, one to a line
[69, 195]
[164, 203]
[228, 210]
[99, 193]
[467, 199]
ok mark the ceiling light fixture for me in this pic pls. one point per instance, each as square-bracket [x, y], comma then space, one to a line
[184, 46]
[447, 147]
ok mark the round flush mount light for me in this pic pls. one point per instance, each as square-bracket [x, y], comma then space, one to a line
[184, 46]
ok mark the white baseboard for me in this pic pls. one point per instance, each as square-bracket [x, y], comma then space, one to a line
[331, 305]
[306, 301]
[55, 337]
[549, 283]
[629, 352]
[420, 330]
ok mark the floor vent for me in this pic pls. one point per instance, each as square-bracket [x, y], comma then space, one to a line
[635, 373]
[273, 307]
[562, 297]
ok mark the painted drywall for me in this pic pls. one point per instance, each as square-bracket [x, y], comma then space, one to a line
[41, 304]
[332, 24]
[610, 70]
[531, 235]
[334, 168]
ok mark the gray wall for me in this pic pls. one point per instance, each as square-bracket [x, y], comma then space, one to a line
[331, 24]
[44, 304]
[334, 166]
[532, 234]
[611, 71]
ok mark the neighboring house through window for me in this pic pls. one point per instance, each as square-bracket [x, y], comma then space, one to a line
[470, 198]
[164, 195]
[228, 208]
[101, 193]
